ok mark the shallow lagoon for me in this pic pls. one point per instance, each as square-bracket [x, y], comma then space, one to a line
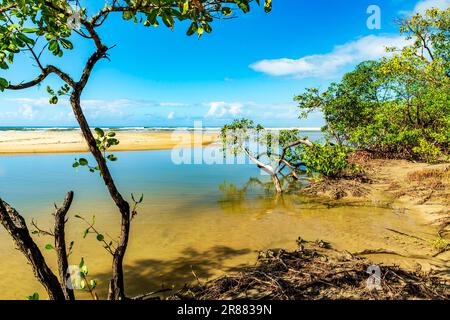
[211, 218]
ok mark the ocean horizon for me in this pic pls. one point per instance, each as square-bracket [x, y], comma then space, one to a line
[142, 128]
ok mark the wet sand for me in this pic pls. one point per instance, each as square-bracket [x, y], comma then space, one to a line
[42, 141]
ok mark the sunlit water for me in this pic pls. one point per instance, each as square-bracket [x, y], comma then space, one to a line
[207, 218]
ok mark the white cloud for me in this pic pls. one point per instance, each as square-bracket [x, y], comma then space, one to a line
[220, 109]
[27, 111]
[330, 64]
[170, 115]
[172, 104]
[424, 5]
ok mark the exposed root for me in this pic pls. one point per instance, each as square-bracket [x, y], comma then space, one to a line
[336, 188]
[318, 273]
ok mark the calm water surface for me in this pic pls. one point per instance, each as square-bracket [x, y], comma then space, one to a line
[214, 218]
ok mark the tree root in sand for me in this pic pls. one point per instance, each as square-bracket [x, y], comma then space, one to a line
[317, 273]
[337, 188]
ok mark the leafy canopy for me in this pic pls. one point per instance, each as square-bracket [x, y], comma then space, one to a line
[397, 106]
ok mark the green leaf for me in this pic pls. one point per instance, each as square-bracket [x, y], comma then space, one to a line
[127, 15]
[268, 6]
[167, 20]
[50, 91]
[200, 31]
[111, 157]
[66, 44]
[227, 11]
[54, 100]
[25, 39]
[83, 162]
[100, 237]
[243, 5]
[93, 283]
[85, 270]
[30, 30]
[34, 296]
[49, 246]
[192, 29]
[99, 132]
[185, 7]
[3, 84]
[53, 46]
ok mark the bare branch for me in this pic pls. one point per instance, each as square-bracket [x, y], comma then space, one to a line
[46, 71]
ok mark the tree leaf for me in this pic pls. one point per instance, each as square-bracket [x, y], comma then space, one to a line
[99, 132]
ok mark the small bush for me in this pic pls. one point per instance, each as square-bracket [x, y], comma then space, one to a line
[329, 160]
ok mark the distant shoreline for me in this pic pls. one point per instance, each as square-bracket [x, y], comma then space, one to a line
[14, 142]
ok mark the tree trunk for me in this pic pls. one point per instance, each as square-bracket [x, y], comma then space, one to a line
[276, 183]
[15, 224]
[117, 290]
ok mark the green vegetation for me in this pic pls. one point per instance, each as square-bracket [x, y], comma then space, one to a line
[327, 159]
[284, 152]
[398, 106]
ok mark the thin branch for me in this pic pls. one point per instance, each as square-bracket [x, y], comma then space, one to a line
[46, 71]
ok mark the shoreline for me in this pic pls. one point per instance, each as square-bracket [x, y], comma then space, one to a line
[72, 141]
[406, 187]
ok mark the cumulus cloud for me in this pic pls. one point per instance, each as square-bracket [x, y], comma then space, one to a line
[330, 64]
[424, 5]
[220, 109]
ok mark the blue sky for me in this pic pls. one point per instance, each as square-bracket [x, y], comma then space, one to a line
[248, 67]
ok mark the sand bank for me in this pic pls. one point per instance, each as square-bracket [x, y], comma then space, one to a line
[42, 141]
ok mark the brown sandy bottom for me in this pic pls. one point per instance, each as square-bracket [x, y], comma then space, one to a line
[71, 141]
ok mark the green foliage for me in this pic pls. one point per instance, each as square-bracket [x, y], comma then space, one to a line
[398, 106]
[440, 244]
[34, 296]
[91, 229]
[104, 141]
[329, 160]
[54, 97]
[236, 135]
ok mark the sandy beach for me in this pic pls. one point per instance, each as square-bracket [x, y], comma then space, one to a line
[71, 141]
